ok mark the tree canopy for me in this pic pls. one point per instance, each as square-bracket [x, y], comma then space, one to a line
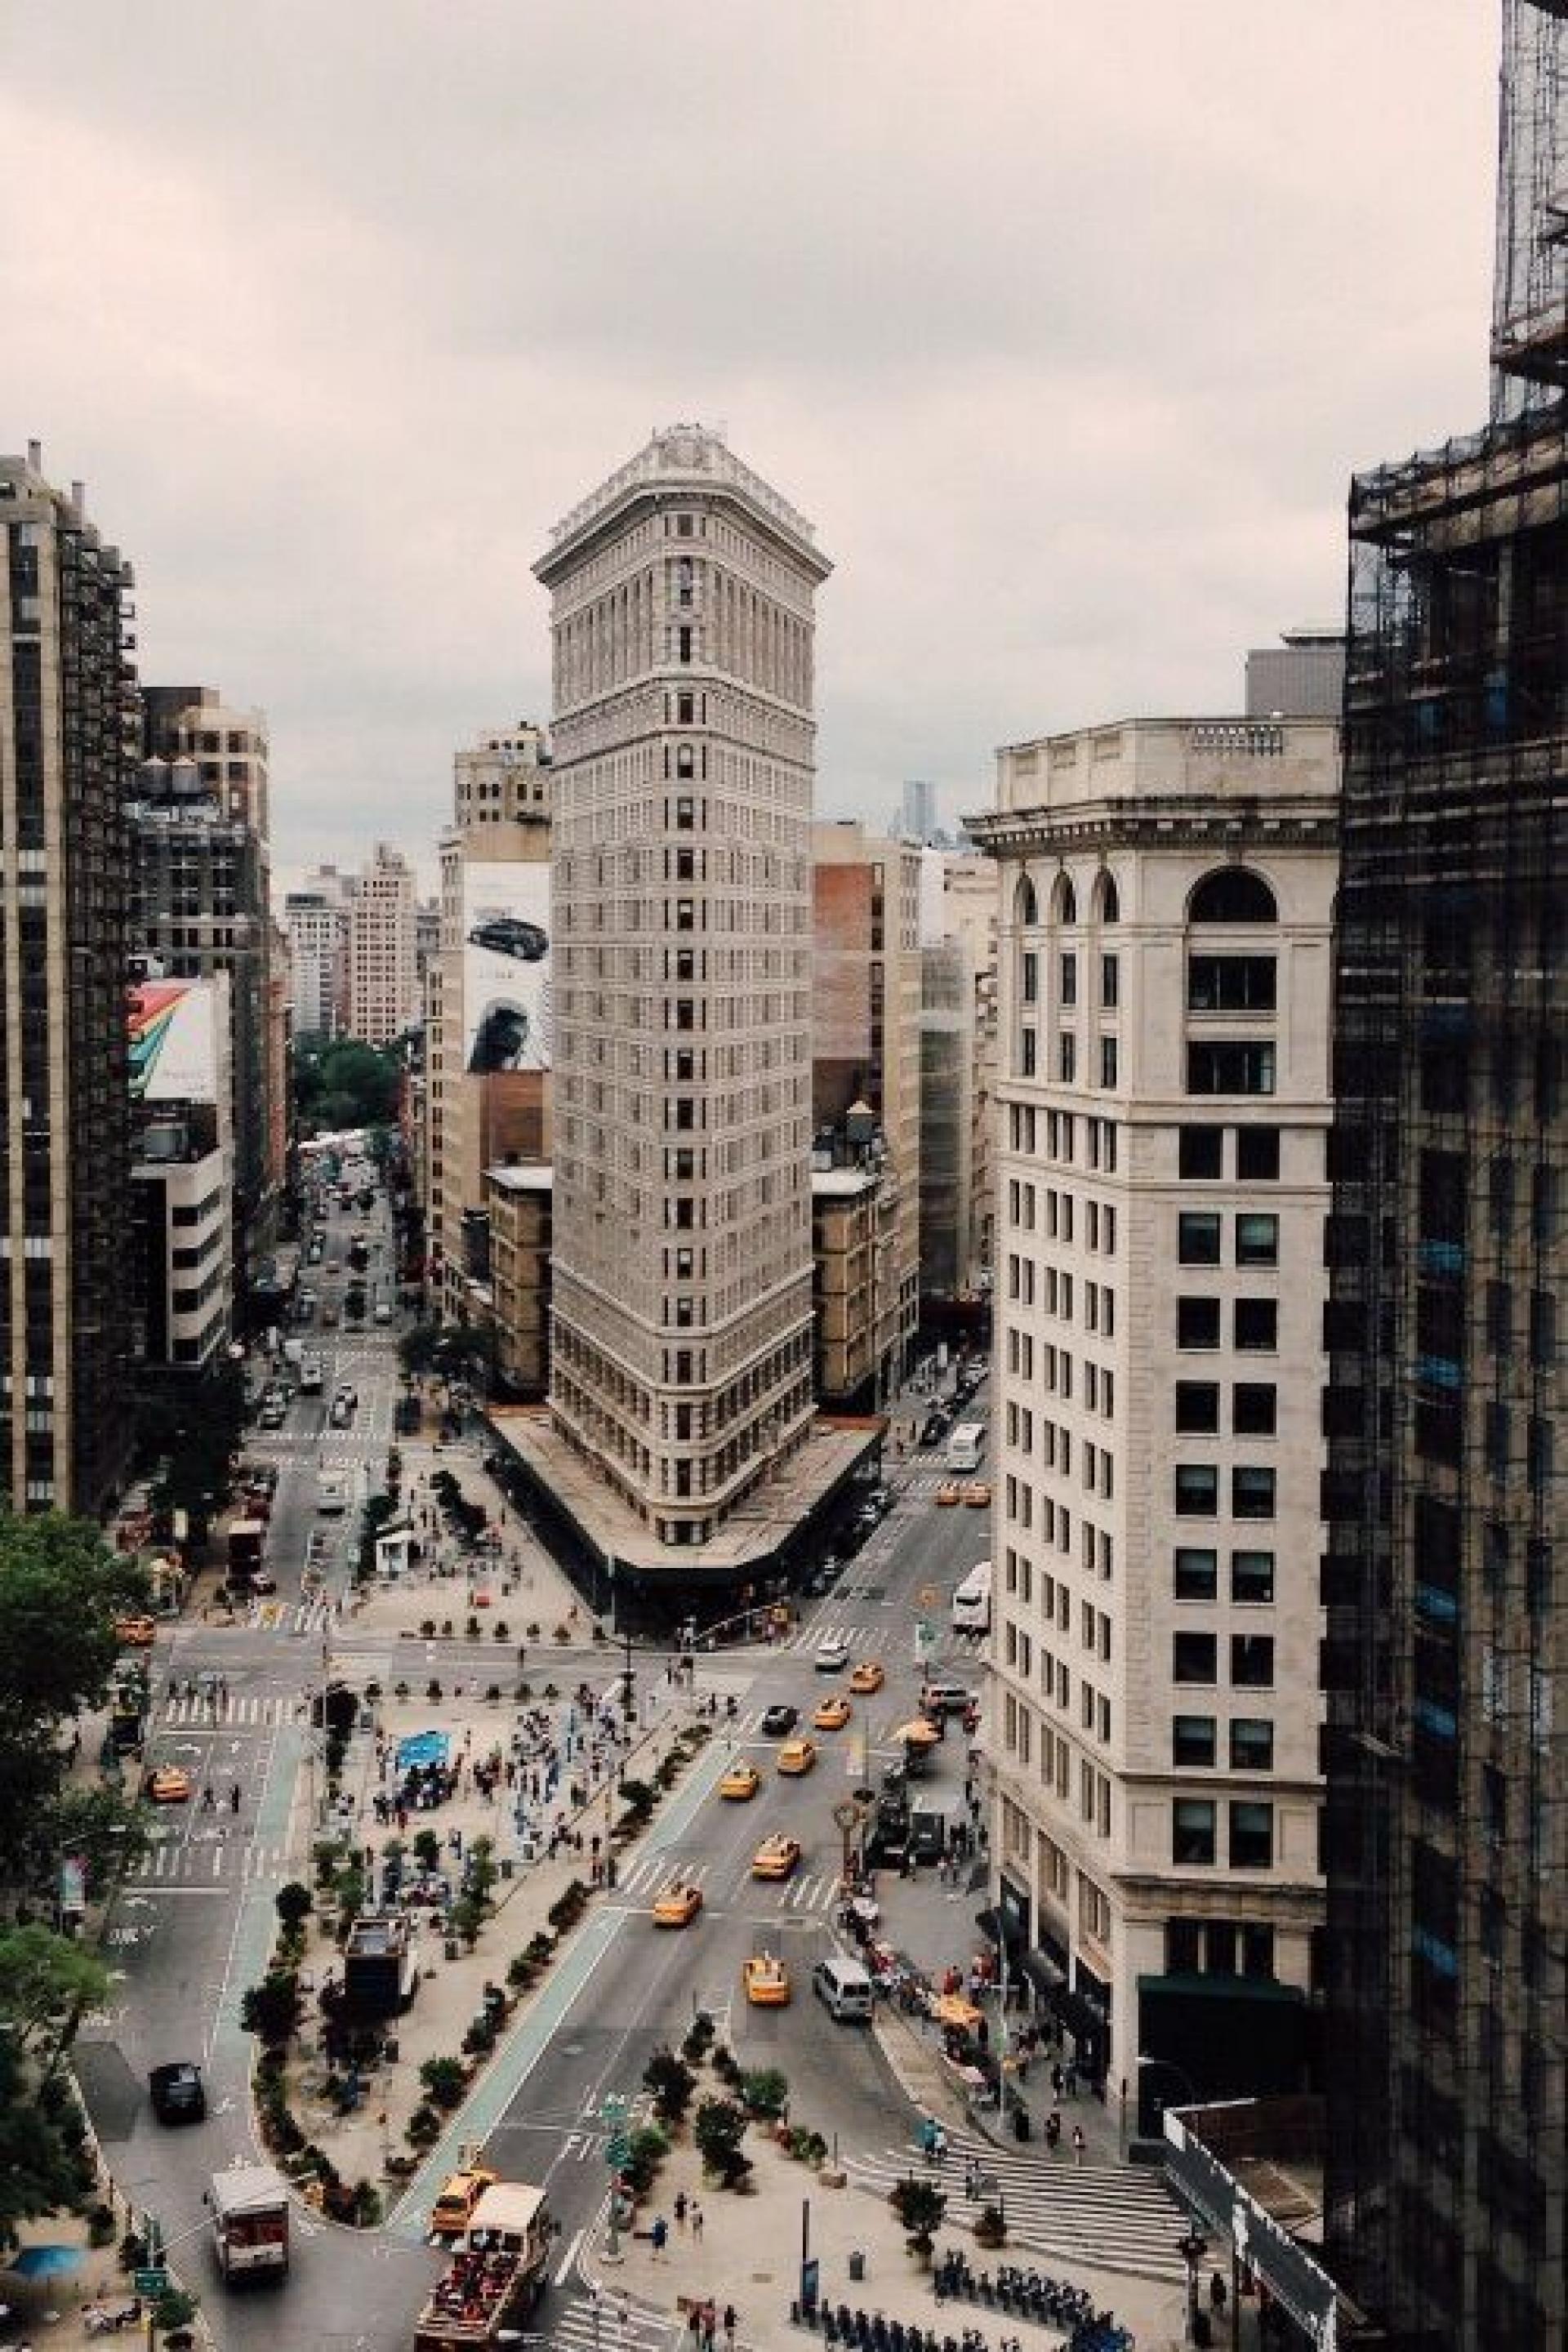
[452, 1351]
[196, 1435]
[343, 1082]
[46, 1982]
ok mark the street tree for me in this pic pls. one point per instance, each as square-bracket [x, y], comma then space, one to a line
[46, 1983]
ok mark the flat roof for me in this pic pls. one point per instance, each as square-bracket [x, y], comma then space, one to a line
[525, 1176]
[842, 1183]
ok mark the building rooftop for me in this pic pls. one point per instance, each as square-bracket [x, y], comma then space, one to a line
[682, 457]
[522, 1176]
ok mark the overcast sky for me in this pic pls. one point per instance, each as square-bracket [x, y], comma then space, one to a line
[1066, 324]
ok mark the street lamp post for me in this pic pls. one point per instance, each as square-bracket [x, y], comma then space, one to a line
[1192, 2250]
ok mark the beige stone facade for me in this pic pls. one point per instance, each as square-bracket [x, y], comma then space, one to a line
[866, 1110]
[517, 1202]
[1163, 1101]
[383, 966]
[681, 610]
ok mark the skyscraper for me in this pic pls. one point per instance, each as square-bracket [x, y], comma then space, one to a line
[66, 720]
[682, 591]
[383, 968]
[917, 816]
[201, 905]
[1447, 1849]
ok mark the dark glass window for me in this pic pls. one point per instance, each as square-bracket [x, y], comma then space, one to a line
[1230, 984]
[1252, 1576]
[1193, 1741]
[1197, 1490]
[1193, 1830]
[1251, 1836]
[1196, 1573]
[1231, 1066]
[1201, 1151]
[1257, 1323]
[1257, 1240]
[1251, 1744]
[1254, 1408]
[1194, 1658]
[1197, 1406]
[1198, 1237]
[1258, 1153]
[1252, 1661]
[1251, 1493]
[1069, 978]
[1232, 894]
[1197, 1322]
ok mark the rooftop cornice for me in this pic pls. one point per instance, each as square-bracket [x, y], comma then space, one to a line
[1156, 821]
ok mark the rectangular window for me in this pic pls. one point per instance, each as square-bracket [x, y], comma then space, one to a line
[1197, 1490]
[1229, 1067]
[1108, 1061]
[1254, 1408]
[1201, 1151]
[1191, 1831]
[1256, 1951]
[1198, 1237]
[1196, 1573]
[1067, 1059]
[1252, 1661]
[1068, 968]
[1251, 1744]
[1031, 976]
[1227, 983]
[1194, 1658]
[1252, 1577]
[1256, 1324]
[1197, 1407]
[1251, 1493]
[1251, 1837]
[1257, 1240]
[1258, 1154]
[1109, 983]
[1197, 1323]
[1027, 1063]
[1192, 1744]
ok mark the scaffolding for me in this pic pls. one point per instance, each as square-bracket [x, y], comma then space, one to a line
[1446, 1818]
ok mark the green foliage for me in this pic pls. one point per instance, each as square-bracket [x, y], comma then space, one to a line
[196, 1434]
[293, 1903]
[445, 2079]
[272, 2008]
[44, 2164]
[672, 2082]
[568, 1907]
[444, 1351]
[426, 1848]
[100, 1822]
[919, 2206]
[345, 1083]
[721, 2127]
[46, 1983]
[638, 1799]
[174, 2308]
[700, 2038]
[468, 1917]
[766, 2093]
[648, 2148]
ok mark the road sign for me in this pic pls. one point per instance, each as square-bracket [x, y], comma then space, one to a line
[618, 2152]
[149, 2282]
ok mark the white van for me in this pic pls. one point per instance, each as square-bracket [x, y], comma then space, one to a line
[844, 1989]
[331, 1491]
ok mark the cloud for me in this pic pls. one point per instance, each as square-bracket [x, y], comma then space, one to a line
[1066, 326]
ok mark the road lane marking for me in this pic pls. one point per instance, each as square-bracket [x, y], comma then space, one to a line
[568, 2259]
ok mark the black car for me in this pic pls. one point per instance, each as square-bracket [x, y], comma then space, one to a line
[510, 935]
[177, 2093]
[780, 1720]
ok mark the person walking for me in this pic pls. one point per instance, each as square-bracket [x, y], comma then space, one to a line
[729, 2327]
[680, 2209]
[1078, 2144]
[659, 2236]
[696, 2219]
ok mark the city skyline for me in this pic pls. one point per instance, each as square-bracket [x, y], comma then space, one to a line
[1132, 433]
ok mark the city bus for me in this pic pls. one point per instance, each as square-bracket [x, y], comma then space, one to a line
[972, 1602]
[965, 1446]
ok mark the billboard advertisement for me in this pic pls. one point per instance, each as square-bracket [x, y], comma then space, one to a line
[173, 1026]
[506, 968]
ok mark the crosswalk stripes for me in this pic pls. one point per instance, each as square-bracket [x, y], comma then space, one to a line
[1111, 2216]
[206, 1857]
[260, 1710]
[616, 2326]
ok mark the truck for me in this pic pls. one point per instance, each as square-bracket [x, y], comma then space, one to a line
[495, 2276]
[245, 1540]
[250, 2209]
[313, 1372]
[331, 1491]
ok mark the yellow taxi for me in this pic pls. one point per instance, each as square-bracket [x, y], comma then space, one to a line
[795, 1757]
[767, 1980]
[947, 1493]
[867, 1677]
[776, 1857]
[739, 1782]
[136, 1633]
[168, 1784]
[460, 2192]
[977, 1495]
[678, 1906]
[833, 1714]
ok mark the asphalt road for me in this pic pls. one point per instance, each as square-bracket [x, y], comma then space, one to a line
[193, 1929]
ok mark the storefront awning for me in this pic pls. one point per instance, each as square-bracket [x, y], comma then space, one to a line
[1041, 1972]
[997, 1929]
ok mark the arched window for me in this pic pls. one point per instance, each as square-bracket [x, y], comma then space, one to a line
[1064, 903]
[1026, 907]
[1232, 894]
[1107, 903]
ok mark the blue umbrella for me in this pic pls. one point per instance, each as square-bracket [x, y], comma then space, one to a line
[45, 2262]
